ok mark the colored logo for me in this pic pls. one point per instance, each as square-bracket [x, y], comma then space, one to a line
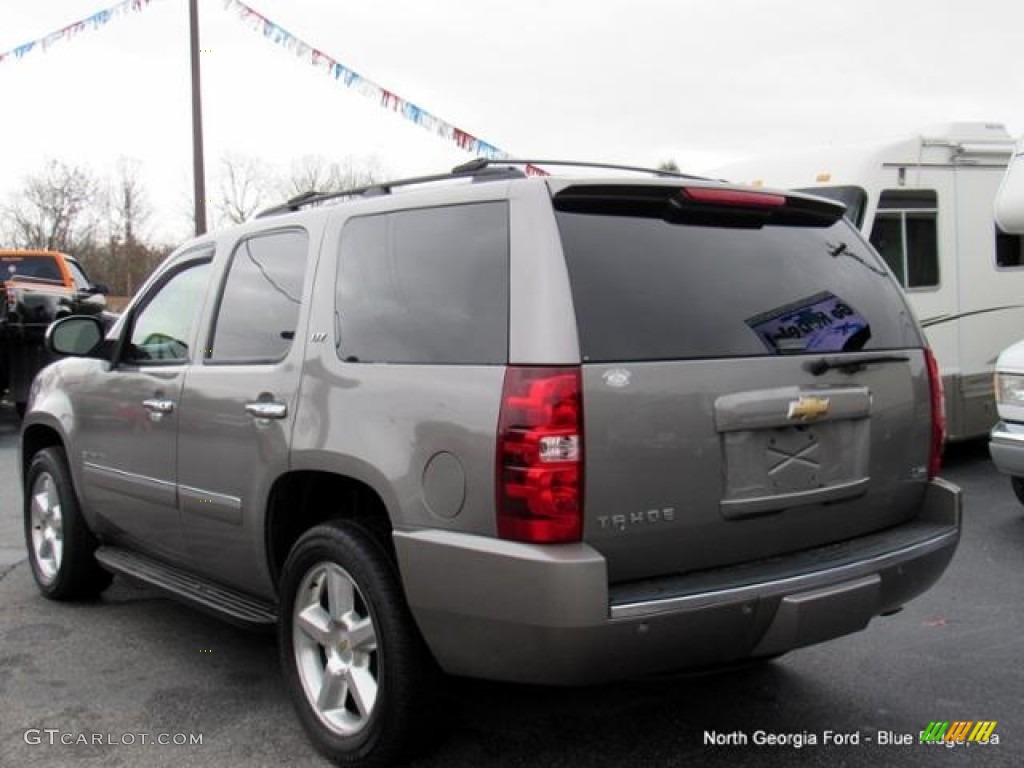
[958, 731]
[807, 408]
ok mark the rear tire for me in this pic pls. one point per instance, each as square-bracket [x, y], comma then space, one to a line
[60, 545]
[354, 663]
[1017, 483]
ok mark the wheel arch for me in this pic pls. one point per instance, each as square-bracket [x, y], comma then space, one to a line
[34, 438]
[302, 499]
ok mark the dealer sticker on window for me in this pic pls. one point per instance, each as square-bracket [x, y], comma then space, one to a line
[819, 323]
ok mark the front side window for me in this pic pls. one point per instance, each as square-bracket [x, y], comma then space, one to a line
[425, 286]
[163, 328]
[259, 308]
[78, 276]
[905, 234]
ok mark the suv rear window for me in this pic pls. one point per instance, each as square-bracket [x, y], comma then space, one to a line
[648, 289]
[35, 267]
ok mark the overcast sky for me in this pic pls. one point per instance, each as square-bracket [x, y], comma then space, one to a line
[634, 81]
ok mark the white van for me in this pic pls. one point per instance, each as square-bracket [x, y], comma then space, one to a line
[926, 203]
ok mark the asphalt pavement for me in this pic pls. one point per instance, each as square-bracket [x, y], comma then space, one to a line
[97, 684]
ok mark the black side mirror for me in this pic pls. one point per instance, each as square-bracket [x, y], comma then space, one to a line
[102, 288]
[78, 335]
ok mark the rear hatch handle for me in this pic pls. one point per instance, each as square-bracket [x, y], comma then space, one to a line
[851, 364]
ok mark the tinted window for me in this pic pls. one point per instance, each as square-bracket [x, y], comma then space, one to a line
[1009, 249]
[34, 267]
[259, 308]
[163, 328]
[646, 289]
[425, 286]
[905, 234]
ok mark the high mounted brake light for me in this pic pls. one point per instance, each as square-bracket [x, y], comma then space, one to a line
[540, 455]
[733, 197]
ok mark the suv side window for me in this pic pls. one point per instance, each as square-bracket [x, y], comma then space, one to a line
[78, 276]
[425, 286]
[905, 234]
[165, 324]
[259, 307]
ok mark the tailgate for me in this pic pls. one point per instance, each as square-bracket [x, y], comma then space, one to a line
[697, 465]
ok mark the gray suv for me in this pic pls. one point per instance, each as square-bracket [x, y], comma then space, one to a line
[557, 430]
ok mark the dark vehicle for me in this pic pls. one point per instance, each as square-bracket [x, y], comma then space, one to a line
[39, 287]
[554, 430]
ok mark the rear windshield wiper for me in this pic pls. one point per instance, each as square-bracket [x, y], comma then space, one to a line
[851, 364]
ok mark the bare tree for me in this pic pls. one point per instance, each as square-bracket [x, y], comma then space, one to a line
[127, 258]
[314, 173]
[244, 183]
[55, 209]
[668, 165]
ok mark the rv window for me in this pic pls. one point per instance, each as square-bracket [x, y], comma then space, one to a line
[854, 198]
[905, 233]
[1009, 249]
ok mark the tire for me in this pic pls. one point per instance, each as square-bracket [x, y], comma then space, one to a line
[1017, 483]
[374, 713]
[60, 544]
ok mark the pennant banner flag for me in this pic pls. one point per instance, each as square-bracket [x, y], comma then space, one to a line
[385, 98]
[97, 20]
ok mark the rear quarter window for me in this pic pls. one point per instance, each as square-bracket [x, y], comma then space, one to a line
[648, 289]
[425, 286]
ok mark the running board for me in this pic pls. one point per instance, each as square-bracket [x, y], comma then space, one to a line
[221, 601]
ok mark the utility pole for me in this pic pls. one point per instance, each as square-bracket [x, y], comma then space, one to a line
[198, 167]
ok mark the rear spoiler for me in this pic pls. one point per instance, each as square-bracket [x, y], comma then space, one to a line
[702, 205]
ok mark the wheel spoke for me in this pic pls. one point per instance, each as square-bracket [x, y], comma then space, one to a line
[363, 636]
[340, 594]
[315, 623]
[364, 689]
[334, 690]
[41, 506]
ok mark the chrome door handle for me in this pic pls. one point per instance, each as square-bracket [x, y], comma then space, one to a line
[266, 410]
[158, 405]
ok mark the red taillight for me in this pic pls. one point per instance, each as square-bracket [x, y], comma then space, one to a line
[740, 198]
[540, 455]
[938, 415]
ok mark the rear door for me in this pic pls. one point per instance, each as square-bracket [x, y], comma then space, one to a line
[720, 425]
[238, 406]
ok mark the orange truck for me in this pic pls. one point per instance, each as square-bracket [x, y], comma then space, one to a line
[39, 287]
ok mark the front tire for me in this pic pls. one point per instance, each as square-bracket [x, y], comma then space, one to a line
[353, 660]
[60, 544]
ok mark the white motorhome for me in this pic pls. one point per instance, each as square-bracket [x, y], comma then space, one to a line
[926, 204]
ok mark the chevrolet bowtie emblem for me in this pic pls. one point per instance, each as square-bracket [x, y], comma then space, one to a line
[808, 408]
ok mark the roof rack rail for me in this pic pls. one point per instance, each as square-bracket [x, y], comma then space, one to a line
[312, 197]
[477, 169]
[480, 163]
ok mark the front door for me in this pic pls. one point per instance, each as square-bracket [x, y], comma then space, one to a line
[129, 417]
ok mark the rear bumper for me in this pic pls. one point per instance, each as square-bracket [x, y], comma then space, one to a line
[1006, 444]
[510, 611]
